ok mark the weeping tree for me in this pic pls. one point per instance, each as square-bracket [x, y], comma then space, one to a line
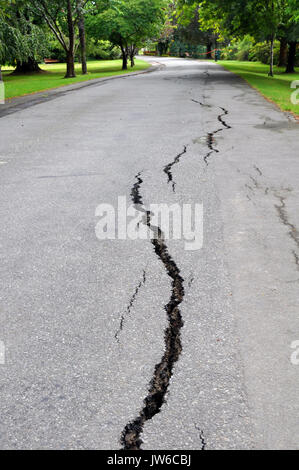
[23, 41]
[34, 42]
[126, 23]
[10, 47]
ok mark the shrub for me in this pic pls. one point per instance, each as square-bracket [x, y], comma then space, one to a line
[230, 52]
[261, 53]
[56, 51]
[102, 50]
[238, 50]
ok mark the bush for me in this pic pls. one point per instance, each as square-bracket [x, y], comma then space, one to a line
[246, 50]
[56, 51]
[230, 52]
[261, 53]
[102, 50]
[238, 50]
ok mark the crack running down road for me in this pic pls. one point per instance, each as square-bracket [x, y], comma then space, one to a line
[90, 361]
[163, 371]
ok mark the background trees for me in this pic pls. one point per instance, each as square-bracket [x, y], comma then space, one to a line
[33, 29]
[22, 39]
[64, 17]
[263, 20]
[126, 23]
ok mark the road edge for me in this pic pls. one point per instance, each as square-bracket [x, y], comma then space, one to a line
[290, 114]
[27, 101]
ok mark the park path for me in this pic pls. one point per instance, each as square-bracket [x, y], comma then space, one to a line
[93, 358]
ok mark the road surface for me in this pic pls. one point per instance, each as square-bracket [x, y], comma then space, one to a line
[123, 343]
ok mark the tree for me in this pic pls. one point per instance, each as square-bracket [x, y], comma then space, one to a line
[82, 37]
[63, 17]
[283, 53]
[292, 32]
[236, 18]
[126, 23]
[167, 31]
[193, 29]
[23, 39]
[34, 41]
[265, 20]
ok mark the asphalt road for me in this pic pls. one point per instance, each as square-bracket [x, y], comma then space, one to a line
[83, 321]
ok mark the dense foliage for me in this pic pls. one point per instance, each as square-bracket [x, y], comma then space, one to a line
[69, 30]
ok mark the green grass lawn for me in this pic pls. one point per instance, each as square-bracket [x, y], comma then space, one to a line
[277, 89]
[53, 76]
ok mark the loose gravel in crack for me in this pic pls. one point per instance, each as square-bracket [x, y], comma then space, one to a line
[131, 436]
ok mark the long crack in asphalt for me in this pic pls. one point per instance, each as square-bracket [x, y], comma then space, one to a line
[211, 135]
[168, 168]
[131, 436]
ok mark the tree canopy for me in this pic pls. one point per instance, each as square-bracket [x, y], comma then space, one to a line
[126, 23]
[26, 26]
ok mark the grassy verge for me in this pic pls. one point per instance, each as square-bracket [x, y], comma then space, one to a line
[53, 76]
[277, 89]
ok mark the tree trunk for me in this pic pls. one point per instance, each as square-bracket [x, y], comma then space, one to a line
[82, 37]
[133, 51]
[271, 73]
[209, 49]
[70, 65]
[291, 57]
[283, 53]
[125, 58]
[70, 71]
[30, 66]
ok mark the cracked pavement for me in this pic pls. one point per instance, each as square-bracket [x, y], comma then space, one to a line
[84, 321]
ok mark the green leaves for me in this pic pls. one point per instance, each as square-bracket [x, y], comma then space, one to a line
[125, 22]
[20, 37]
[260, 18]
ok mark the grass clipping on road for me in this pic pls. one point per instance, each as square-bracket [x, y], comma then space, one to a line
[53, 76]
[277, 89]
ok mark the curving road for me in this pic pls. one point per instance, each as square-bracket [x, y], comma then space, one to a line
[143, 344]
